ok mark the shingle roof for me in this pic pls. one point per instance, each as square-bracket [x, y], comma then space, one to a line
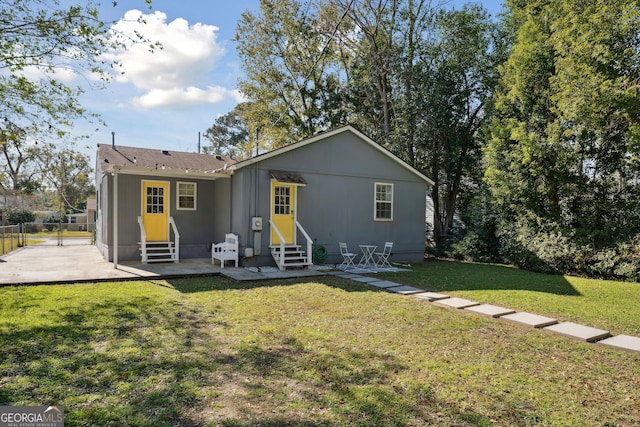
[153, 159]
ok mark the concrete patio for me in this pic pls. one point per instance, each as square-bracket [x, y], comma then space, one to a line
[73, 263]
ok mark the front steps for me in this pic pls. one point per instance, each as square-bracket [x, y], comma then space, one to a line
[293, 256]
[158, 252]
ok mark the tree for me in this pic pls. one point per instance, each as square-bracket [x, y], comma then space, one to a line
[229, 134]
[291, 77]
[41, 40]
[18, 169]
[563, 154]
[456, 82]
[69, 174]
[415, 78]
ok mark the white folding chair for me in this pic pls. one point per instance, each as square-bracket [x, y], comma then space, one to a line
[347, 257]
[383, 257]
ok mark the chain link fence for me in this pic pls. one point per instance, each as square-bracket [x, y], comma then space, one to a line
[10, 238]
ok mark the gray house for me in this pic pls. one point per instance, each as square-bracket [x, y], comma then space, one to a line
[338, 186]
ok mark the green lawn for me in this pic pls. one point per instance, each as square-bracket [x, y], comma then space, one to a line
[65, 233]
[212, 352]
[610, 305]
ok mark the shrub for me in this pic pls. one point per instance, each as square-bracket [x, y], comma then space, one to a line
[20, 217]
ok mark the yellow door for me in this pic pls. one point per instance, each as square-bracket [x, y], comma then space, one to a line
[155, 210]
[283, 204]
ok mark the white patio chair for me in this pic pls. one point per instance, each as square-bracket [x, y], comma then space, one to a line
[347, 257]
[383, 257]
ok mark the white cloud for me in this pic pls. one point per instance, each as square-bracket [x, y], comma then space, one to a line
[178, 74]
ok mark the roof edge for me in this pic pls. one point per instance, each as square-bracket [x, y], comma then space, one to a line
[328, 134]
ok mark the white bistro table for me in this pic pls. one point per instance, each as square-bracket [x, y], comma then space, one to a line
[367, 260]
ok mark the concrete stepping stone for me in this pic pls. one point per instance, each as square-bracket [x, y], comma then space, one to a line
[490, 310]
[430, 296]
[534, 320]
[385, 284]
[575, 330]
[364, 279]
[405, 290]
[623, 342]
[456, 302]
[348, 275]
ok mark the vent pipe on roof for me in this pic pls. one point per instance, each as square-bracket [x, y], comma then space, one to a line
[113, 140]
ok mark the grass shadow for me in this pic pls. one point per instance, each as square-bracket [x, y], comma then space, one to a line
[445, 275]
[220, 283]
[157, 361]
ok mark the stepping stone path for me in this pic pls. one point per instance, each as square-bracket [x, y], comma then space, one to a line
[575, 330]
[529, 319]
[456, 302]
[406, 290]
[586, 333]
[364, 279]
[385, 284]
[623, 342]
[430, 296]
[490, 310]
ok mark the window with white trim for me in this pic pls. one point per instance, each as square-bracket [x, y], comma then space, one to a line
[186, 194]
[383, 202]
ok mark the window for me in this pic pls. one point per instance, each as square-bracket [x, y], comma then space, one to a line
[155, 200]
[282, 200]
[383, 202]
[187, 196]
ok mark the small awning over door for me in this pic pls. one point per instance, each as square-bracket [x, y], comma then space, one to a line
[288, 177]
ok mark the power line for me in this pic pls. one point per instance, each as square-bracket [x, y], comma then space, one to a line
[333, 34]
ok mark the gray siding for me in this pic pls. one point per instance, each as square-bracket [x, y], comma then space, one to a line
[337, 204]
[198, 228]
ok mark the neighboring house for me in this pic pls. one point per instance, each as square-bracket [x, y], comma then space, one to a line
[338, 186]
[84, 221]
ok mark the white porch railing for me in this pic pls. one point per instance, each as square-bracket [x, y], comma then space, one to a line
[174, 227]
[280, 259]
[309, 243]
[143, 240]
[291, 255]
[174, 252]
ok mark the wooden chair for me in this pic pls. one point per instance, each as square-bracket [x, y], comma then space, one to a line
[225, 251]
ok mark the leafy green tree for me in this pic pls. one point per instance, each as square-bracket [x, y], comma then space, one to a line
[20, 216]
[68, 172]
[18, 169]
[229, 134]
[415, 78]
[456, 82]
[291, 77]
[563, 154]
[41, 41]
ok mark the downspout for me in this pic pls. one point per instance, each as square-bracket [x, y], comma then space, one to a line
[115, 218]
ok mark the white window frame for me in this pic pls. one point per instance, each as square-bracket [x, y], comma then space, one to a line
[376, 201]
[195, 195]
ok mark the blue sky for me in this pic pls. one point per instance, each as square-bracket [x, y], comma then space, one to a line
[164, 99]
